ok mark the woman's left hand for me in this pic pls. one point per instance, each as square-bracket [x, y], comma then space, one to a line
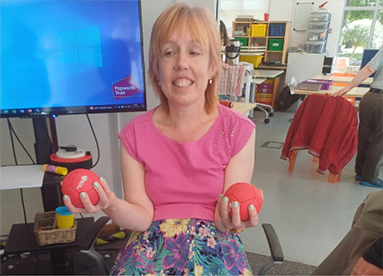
[234, 223]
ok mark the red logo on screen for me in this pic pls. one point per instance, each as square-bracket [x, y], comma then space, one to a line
[125, 88]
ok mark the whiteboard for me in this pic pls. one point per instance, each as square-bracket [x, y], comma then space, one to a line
[303, 12]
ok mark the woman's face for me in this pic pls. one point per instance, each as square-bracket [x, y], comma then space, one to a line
[184, 69]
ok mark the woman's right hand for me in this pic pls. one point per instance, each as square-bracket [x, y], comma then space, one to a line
[341, 92]
[107, 199]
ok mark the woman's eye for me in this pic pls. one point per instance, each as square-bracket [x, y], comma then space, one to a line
[169, 53]
[194, 53]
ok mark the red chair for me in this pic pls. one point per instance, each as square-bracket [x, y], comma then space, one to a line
[326, 126]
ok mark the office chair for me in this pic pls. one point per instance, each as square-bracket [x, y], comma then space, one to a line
[275, 248]
[87, 245]
[368, 54]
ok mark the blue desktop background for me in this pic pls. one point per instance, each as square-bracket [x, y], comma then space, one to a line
[69, 53]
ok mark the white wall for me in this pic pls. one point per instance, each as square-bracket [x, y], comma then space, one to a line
[230, 9]
[75, 130]
[282, 10]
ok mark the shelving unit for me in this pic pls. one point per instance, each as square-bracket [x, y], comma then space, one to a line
[270, 38]
[318, 30]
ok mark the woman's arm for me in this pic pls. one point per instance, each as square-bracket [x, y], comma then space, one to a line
[358, 79]
[136, 211]
[239, 169]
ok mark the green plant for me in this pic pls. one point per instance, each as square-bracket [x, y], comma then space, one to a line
[356, 34]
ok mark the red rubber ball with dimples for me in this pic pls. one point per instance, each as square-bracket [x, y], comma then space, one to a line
[245, 194]
[78, 181]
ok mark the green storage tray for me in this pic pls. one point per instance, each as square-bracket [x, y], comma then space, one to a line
[242, 40]
[275, 44]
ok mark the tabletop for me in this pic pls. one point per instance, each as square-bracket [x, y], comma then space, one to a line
[367, 81]
[243, 108]
[263, 73]
[22, 237]
[356, 92]
[21, 176]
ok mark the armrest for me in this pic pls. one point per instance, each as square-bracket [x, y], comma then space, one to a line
[93, 232]
[273, 241]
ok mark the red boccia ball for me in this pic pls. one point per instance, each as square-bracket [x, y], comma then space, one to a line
[78, 181]
[245, 194]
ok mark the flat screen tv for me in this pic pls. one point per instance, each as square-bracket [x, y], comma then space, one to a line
[71, 57]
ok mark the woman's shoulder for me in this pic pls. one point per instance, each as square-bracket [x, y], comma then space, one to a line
[229, 114]
[143, 118]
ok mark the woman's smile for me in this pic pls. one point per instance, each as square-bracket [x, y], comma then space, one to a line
[182, 82]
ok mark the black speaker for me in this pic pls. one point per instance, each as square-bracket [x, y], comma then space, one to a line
[327, 65]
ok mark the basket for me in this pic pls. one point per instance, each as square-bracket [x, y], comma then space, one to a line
[47, 233]
[315, 85]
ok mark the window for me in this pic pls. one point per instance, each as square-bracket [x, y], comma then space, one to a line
[362, 28]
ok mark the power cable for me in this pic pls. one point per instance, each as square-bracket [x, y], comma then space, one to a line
[12, 131]
[95, 138]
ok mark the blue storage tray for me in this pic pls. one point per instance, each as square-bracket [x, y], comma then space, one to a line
[277, 29]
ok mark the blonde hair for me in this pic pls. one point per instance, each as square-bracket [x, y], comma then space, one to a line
[204, 28]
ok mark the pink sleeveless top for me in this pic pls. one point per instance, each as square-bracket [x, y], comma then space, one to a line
[184, 180]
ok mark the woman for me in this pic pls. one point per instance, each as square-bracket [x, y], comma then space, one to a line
[223, 34]
[179, 158]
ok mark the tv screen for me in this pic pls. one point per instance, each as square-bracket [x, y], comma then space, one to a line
[71, 57]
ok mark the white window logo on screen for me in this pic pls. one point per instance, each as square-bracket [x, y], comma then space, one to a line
[80, 46]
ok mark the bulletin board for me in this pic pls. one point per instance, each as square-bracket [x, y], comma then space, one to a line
[303, 12]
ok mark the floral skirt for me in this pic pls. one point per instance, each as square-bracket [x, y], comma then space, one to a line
[182, 247]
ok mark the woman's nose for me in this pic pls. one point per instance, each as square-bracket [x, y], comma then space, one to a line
[181, 61]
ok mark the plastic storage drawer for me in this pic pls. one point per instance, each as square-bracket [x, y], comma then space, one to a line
[317, 35]
[320, 16]
[315, 47]
[277, 30]
[264, 95]
[265, 88]
[319, 25]
[258, 29]
[263, 100]
[275, 44]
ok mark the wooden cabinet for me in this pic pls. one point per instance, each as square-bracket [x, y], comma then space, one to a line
[269, 38]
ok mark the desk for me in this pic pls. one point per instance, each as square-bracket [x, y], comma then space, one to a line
[356, 92]
[33, 176]
[244, 108]
[21, 176]
[22, 239]
[367, 81]
[268, 74]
